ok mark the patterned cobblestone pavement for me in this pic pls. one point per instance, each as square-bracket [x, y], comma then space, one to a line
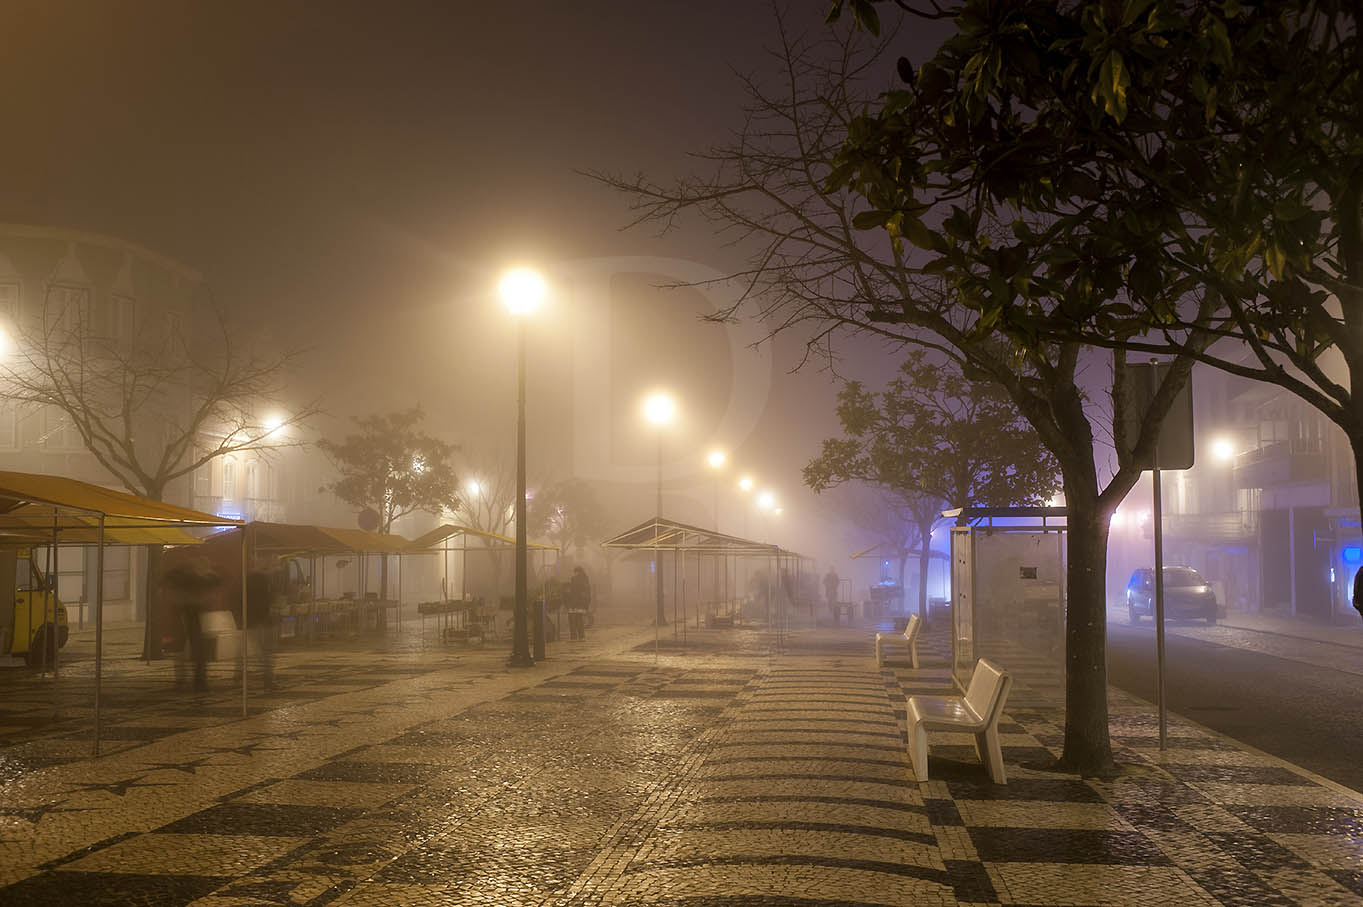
[742, 771]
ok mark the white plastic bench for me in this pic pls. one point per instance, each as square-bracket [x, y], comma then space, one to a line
[977, 712]
[909, 636]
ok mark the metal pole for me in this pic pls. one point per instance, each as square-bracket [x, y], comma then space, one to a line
[1158, 516]
[50, 604]
[99, 626]
[539, 615]
[244, 664]
[520, 643]
[660, 618]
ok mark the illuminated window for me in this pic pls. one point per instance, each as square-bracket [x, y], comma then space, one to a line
[252, 481]
[229, 479]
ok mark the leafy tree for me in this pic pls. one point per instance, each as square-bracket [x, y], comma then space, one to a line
[393, 468]
[1141, 145]
[567, 513]
[827, 258]
[933, 439]
[152, 408]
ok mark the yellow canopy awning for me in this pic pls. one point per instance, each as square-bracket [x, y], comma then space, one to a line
[19, 489]
[439, 534]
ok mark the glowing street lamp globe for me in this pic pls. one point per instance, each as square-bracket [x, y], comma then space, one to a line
[659, 408]
[745, 484]
[766, 500]
[1223, 450]
[522, 290]
[716, 459]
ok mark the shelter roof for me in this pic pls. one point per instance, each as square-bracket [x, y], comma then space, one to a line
[660, 533]
[974, 515]
[291, 537]
[32, 506]
[22, 489]
[363, 542]
[439, 534]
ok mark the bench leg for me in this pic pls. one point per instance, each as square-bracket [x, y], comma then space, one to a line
[991, 754]
[913, 654]
[880, 652]
[918, 751]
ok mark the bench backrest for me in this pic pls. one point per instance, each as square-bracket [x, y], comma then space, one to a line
[988, 687]
[912, 627]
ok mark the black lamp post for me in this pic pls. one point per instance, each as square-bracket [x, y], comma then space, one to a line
[522, 290]
[660, 409]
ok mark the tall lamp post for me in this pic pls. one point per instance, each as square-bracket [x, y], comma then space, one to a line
[522, 290]
[659, 409]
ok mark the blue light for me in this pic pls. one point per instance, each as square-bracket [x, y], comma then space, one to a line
[1353, 554]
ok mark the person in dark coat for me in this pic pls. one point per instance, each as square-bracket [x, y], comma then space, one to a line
[579, 603]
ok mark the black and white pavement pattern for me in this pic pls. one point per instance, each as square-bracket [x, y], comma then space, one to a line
[735, 772]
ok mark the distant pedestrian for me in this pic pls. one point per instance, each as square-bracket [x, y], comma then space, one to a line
[830, 592]
[1358, 591]
[191, 589]
[579, 603]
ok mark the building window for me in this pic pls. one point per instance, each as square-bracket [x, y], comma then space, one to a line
[9, 425]
[123, 320]
[203, 480]
[9, 303]
[229, 479]
[69, 307]
[117, 573]
[253, 481]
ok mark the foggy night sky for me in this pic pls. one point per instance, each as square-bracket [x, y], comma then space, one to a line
[352, 172]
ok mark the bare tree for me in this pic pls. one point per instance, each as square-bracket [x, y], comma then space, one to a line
[154, 407]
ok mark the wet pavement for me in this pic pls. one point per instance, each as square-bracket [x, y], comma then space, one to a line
[743, 770]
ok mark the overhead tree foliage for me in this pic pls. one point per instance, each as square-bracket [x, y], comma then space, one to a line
[567, 513]
[935, 440]
[393, 468]
[825, 259]
[1139, 145]
[155, 407]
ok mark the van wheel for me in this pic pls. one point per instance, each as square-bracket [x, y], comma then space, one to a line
[1132, 615]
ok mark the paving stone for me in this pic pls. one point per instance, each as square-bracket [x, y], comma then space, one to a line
[736, 772]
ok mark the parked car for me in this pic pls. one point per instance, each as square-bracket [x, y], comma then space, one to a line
[1186, 594]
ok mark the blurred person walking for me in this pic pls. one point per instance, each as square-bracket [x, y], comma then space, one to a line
[830, 592]
[579, 603]
[191, 589]
[260, 618]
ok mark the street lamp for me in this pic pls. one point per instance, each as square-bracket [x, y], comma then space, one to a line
[716, 461]
[522, 290]
[659, 409]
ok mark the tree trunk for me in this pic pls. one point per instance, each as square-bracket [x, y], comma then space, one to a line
[1088, 749]
[924, 561]
[903, 566]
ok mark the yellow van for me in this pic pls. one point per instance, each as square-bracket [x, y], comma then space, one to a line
[30, 612]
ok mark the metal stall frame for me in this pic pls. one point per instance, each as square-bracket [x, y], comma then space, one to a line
[661, 535]
[42, 510]
[436, 541]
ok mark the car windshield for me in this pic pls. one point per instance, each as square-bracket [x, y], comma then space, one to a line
[1183, 576]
